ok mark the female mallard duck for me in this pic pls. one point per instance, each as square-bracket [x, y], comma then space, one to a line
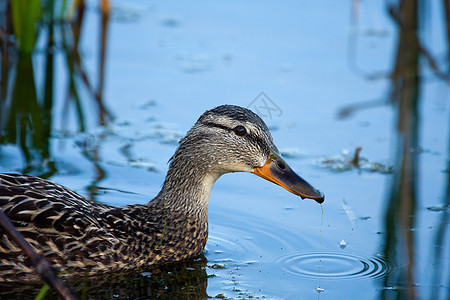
[79, 235]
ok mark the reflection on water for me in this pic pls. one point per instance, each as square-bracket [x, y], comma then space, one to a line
[401, 216]
[29, 102]
[186, 280]
[402, 201]
[401, 211]
[23, 120]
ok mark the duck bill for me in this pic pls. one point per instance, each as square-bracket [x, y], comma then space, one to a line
[278, 171]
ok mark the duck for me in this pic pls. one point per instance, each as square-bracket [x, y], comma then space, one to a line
[80, 236]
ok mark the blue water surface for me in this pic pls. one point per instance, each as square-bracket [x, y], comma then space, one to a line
[168, 62]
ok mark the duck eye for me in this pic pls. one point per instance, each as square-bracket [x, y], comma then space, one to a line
[240, 130]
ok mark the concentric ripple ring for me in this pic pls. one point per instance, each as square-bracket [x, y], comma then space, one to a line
[335, 265]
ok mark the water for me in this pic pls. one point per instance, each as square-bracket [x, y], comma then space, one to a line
[166, 63]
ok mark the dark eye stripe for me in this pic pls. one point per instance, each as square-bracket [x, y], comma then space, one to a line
[254, 138]
[211, 124]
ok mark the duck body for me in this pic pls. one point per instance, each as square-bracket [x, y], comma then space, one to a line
[82, 236]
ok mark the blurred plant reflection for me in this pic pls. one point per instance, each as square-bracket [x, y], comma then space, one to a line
[405, 93]
[395, 11]
[400, 241]
[439, 245]
[27, 98]
[401, 209]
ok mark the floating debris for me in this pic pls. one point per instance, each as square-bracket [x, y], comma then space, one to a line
[126, 13]
[349, 212]
[150, 119]
[87, 142]
[320, 290]
[217, 266]
[347, 162]
[227, 57]
[125, 150]
[147, 104]
[170, 22]
[438, 208]
[165, 134]
[123, 123]
[293, 153]
[195, 63]
[343, 244]
[143, 164]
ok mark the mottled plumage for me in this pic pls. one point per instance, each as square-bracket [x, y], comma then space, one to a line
[78, 235]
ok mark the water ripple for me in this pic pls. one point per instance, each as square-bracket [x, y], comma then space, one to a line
[243, 238]
[334, 265]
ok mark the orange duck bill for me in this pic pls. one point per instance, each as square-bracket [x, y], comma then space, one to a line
[278, 171]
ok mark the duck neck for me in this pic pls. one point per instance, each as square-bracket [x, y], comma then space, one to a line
[187, 186]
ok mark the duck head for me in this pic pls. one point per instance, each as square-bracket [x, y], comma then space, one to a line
[230, 138]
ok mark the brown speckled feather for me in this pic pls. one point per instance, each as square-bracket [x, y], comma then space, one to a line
[79, 235]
